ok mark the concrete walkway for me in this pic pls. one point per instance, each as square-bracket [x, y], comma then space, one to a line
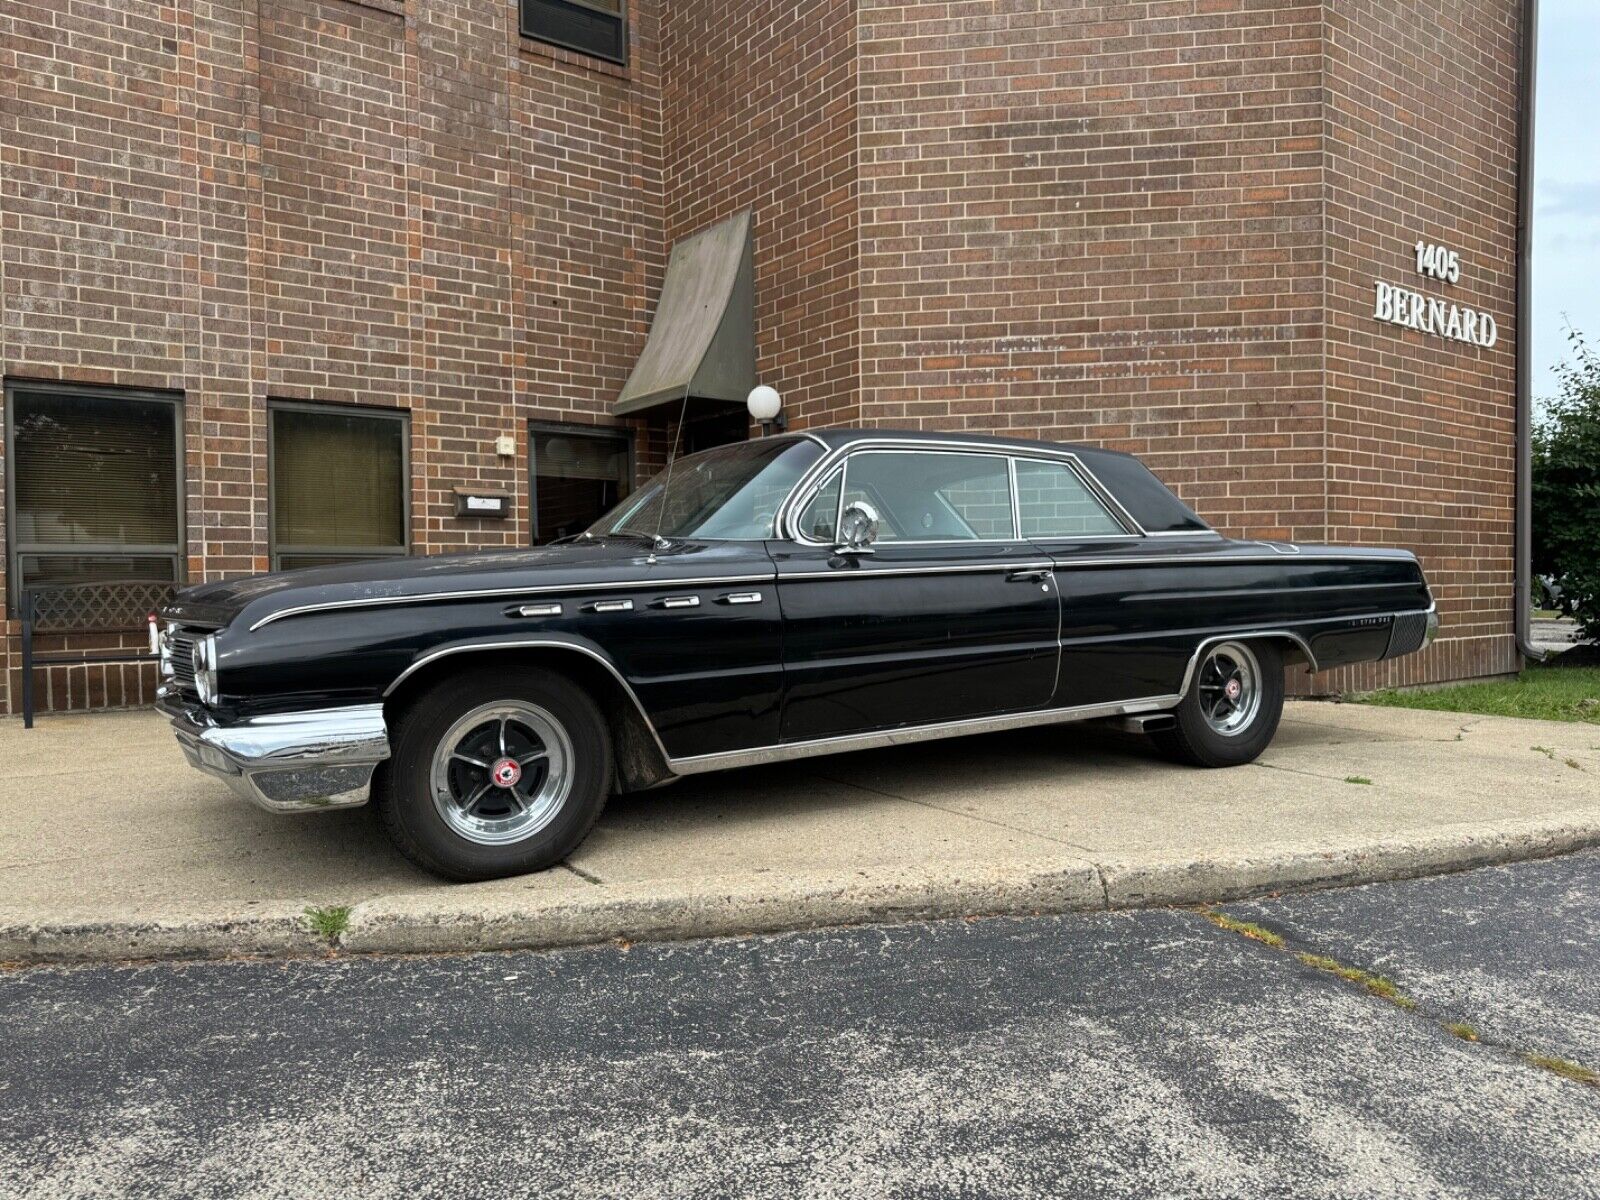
[110, 847]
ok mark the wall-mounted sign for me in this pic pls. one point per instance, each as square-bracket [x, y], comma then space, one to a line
[473, 503]
[1433, 314]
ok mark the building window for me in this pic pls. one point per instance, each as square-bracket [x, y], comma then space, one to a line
[94, 489]
[339, 484]
[578, 474]
[595, 27]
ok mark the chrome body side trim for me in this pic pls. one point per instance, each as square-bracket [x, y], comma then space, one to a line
[537, 643]
[287, 762]
[1244, 636]
[542, 589]
[883, 572]
[1181, 560]
[908, 735]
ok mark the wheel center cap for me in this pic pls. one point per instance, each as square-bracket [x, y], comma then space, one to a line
[505, 772]
[1233, 690]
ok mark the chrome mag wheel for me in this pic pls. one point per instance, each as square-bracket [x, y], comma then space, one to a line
[502, 772]
[1229, 686]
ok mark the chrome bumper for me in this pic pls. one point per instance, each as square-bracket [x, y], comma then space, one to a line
[287, 762]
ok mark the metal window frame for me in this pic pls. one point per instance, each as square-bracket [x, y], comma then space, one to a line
[809, 485]
[275, 550]
[620, 17]
[16, 549]
[537, 428]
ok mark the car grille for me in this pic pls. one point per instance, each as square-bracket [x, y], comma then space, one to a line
[180, 643]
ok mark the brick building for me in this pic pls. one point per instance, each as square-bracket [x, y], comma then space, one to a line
[279, 277]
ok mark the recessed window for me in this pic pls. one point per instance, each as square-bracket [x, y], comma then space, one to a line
[578, 475]
[339, 485]
[95, 491]
[1055, 503]
[596, 27]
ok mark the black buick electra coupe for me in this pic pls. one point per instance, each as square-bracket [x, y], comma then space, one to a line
[773, 599]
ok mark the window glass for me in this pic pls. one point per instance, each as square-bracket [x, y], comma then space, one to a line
[589, 26]
[577, 476]
[820, 520]
[933, 497]
[338, 486]
[729, 493]
[1055, 503]
[95, 487]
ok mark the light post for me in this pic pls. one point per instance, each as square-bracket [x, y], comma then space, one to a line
[766, 406]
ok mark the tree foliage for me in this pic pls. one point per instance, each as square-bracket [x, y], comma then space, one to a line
[1566, 487]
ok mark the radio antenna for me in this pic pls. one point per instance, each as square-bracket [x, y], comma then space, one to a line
[659, 542]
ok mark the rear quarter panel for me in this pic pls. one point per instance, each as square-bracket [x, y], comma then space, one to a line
[1134, 615]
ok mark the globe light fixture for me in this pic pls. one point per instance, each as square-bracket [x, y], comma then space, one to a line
[765, 405]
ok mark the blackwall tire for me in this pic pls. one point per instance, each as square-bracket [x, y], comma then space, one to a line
[1213, 730]
[495, 774]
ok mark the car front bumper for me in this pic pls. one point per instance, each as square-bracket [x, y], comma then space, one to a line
[286, 762]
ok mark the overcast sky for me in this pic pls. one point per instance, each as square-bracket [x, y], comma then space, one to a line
[1566, 210]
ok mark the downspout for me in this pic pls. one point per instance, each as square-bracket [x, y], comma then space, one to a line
[1522, 589]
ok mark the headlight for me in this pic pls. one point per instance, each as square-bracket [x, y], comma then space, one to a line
[164, 649]
[205, 668]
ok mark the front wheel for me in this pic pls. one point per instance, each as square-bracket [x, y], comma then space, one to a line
[1232, 707]
[495, 775]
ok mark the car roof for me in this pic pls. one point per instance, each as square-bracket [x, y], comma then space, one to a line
[835, 438]
[1152, 504]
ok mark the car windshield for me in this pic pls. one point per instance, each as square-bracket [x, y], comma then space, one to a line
[727, 493]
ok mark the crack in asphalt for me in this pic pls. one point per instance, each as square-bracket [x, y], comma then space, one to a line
[1315, 958]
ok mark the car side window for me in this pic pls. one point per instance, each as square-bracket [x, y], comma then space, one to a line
[933, 497]
[1055, 503]
[819, 520]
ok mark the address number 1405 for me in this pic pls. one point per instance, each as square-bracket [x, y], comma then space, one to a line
[1438, 262]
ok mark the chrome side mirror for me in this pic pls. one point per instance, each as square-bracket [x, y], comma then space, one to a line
[858, 529]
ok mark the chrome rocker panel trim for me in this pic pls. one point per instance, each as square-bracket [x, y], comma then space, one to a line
[287, 762]
[910, 734]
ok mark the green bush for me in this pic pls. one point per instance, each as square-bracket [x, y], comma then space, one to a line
[1566, 487]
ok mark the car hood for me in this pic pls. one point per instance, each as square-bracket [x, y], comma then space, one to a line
[259, 596]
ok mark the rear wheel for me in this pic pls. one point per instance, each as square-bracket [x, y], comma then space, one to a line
[1232, 708]
[494, 775]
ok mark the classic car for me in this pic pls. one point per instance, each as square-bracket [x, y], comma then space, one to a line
[788, 596]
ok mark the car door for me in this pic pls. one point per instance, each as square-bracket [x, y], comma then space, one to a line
[1115, 645]
[951, 616]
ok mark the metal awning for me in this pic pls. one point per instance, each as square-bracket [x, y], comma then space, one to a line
[702, 341]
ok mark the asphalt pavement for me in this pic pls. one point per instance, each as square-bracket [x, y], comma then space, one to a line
[1146, 1053]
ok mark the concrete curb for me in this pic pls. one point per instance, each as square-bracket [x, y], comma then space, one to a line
[470, 919]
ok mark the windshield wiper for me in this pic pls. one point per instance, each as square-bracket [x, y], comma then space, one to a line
[653, 539]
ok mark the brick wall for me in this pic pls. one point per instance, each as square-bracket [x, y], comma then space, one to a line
[1153, 225]
[400, 203]
[759, 112]
[1156, 226]
[1422, 144]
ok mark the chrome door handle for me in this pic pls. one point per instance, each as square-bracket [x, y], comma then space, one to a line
[677, 602]
[1030, 574]
[739, 598]
[604, 606]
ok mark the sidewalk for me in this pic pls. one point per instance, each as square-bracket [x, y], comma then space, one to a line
[110, 847]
